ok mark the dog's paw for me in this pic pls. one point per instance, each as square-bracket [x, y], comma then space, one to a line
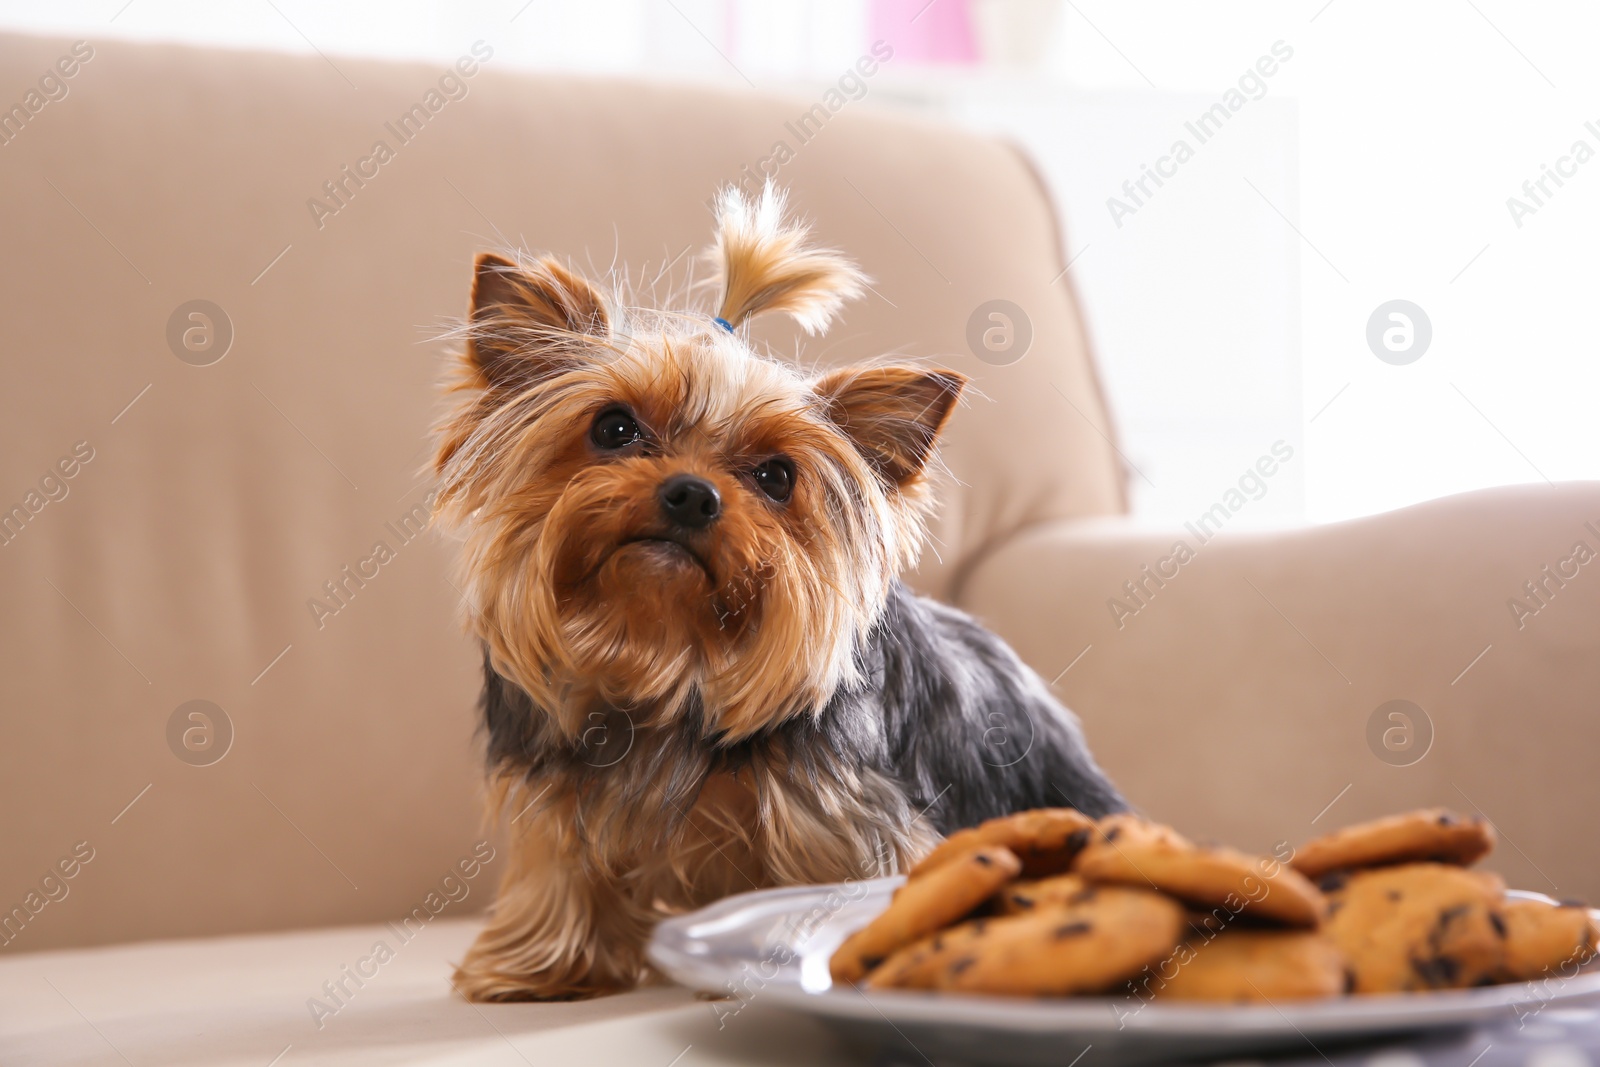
[479, 980]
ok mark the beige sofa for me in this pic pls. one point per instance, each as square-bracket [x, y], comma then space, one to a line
[181, 527]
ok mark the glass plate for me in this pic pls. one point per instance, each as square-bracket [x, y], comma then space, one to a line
[771, 947]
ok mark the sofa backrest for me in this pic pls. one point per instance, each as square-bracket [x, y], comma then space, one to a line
[223, 281]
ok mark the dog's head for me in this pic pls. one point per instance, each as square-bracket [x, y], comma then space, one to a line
[651, 508]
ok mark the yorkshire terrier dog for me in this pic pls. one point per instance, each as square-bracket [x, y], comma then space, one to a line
[702, 674]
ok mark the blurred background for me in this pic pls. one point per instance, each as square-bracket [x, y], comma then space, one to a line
[1231, 298]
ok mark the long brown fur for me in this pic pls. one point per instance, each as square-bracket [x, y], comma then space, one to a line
[759, 628]
[764, 264]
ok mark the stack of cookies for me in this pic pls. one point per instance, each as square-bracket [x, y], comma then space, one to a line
[1053, 903]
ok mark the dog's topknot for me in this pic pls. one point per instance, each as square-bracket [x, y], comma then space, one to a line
[763, 264]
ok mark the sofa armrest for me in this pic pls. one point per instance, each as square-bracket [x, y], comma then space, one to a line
[1236, 687]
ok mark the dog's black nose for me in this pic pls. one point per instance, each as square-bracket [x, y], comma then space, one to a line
[690, 501]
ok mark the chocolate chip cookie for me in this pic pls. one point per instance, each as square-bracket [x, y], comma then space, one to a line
[925, 904]
[1417, 926]
[1546, 939]
[1044, 839]
[1097, 941]
[1128, 850]
[1019, 898]
[1253, 966]
[1432, 835]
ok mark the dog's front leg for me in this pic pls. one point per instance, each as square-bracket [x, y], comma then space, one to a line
[555, 931]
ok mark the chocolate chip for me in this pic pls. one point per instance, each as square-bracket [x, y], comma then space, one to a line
[1020, 901]
[1450, 915]
[1334, 881]
[1113, 833]
[869, 962]
[1447, 819]
[1061, 933]
[1437, 972]
[1077, 839]
[1498, 923]
[981, 860]
[962, 964]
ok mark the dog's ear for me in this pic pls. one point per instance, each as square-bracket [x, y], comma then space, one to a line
[893, 413]
[529, 321]
[762, 264]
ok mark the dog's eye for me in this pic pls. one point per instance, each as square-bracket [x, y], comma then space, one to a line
[615, 428]
[775, 478]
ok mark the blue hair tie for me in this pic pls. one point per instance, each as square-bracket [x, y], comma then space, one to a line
[724, 323]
